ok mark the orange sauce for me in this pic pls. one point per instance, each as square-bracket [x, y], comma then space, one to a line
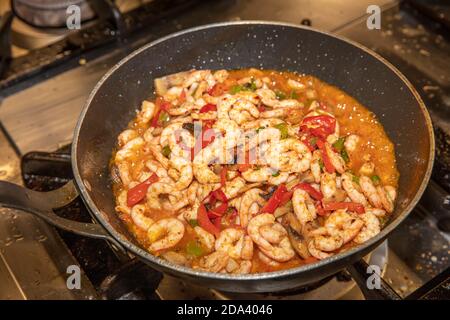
[352, 118]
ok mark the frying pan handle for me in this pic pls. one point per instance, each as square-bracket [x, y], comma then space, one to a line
[42, 204]
[359, 273]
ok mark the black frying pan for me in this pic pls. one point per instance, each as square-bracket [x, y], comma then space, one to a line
[112, 104]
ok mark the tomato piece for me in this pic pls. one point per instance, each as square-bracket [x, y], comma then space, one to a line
[205, 223]
[137, 193]
[317, 195]
[162, 104]
[351, 206]
[275, 199]
[208, 107]
[326, 160]
[319, 126]
[261, 108]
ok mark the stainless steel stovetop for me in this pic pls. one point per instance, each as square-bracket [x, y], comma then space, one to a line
[41, 114]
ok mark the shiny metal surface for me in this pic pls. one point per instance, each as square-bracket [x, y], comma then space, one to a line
[33, 259]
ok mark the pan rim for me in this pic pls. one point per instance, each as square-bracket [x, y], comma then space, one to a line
[266, 275]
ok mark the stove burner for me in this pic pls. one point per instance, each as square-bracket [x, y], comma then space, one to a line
[49, 13]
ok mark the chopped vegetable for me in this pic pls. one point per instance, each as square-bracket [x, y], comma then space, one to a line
[208, 107]
[182, 97]
[276, 174]
[223, 176]
[193, 249]
[275, 200]
[217, 90]
[355, 179]
[163, 118]
[251, 85]
[219, 195]
[204, 222]
[193, 223]
[319, 126]
[189, 126]
[315, 194]
[259, 129]
[293, 95]
[218, 211]
[345, 156]
[280, 95]
[137, 193]
[351, 206]
[261, 108]
[339, 144]
[284, 133]
[235, 89]
[326, 160]
[375, 179]
[166, 151]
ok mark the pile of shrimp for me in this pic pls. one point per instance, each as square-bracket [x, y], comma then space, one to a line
[262, 187]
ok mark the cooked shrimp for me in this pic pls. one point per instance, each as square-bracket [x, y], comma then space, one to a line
[370, 229]
[328, 185]
[316, 253]
[205, 238]
[154, 191]
[235, 243]
[165, 234]
[303, 212]
[213, 262]
[315, 165]
[387, 196]
[350, 188]
[335, 159]
[289, 155]
[370, 191]
[139, 218]
[147, 112]
[129, 149]
[343, 224]
[248, 200]
[281, 250]
[351, 142]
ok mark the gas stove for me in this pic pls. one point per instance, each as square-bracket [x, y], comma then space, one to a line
[50, 72]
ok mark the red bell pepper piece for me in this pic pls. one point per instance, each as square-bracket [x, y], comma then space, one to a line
[285, 198]
[217, 90]
[319, 126]
[320, 210]
[326, 160]
[275, 199]
[351, 206]
[223, 176]
[182, 97]
[204, 222]
[317, 195]
[218, 211]
[208, 107]
[219, 195]
[161, 105]
[137, 193]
